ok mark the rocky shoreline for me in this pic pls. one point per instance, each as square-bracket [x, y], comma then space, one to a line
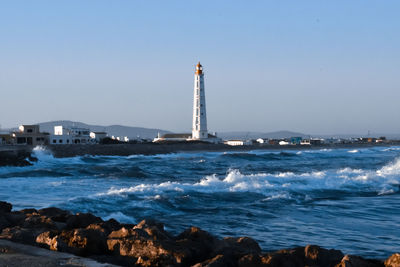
[148, 244]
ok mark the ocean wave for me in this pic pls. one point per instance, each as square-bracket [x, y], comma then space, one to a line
[382, 181]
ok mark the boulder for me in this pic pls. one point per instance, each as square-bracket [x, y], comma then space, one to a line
[217, 261]
[251, 260]
[55, 214]
[48, 240]
[136, 243]
[393, 261]
[315, 255]
[15, 218]
[195, 245]
[37, 221]
[356, 261]
[237, 247]
[21, 235]
[82, 220]
[5, 207]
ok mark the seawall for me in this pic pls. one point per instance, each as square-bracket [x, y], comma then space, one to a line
[61, 151]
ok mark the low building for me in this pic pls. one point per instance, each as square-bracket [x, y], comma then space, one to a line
[305, 142]
[98, 136]
[185, 137]
[30, 135]
[262, 141]
[66, 136]
[283, 143]
[5, 138]
[173, 137]
[295, 140]
[238, 142]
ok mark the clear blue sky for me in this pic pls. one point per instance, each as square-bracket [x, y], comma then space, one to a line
[310, 66]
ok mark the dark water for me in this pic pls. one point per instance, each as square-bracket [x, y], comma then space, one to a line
[343, 199]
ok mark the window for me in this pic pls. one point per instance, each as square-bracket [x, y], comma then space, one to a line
[67, 141]
[54, 141]
[60, 141]
[29, 130]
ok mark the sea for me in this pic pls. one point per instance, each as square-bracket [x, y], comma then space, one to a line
[347, 199]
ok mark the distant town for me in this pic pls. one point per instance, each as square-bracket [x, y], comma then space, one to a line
[31, 135]
[61, 136]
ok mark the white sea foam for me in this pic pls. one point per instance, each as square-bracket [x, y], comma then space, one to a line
[353, 151]
[382, 181]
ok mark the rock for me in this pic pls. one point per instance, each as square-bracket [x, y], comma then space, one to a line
[4, 223]
[81, 242]
[55, 214]
[250, 260]
[153, 229]
[195, 245]
[315, 255]
[29, 212]
[15, 218]
[393, 261]
[356, 261]
[5, 207]
[21, 235]
[48, 240]
[238, 247]
[37, 221]
[84, 241]
[147, 250]
[82, 220]
[217, 261]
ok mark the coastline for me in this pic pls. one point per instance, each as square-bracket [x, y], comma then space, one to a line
[148, 244]
[17, 155]
[63, 151]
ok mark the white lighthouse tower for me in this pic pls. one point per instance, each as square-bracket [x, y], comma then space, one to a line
[199, 128]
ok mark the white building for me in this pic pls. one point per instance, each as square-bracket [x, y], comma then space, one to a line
[74, 135]
[98, 136]
[262, 141]
[238, 142]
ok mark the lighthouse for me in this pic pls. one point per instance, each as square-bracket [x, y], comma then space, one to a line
[199, 127]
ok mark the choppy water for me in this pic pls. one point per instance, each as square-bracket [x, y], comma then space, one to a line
[343, 198]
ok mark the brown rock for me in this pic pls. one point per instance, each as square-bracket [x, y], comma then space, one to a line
[55, 214]
[5, 207]
[21, 235]
[393, 261]
[238, 247]
[81, 242]
[217, 261]
[48, 240]
[251, 260]
[4, 223]
[356, 261]
[147, 250]
[37, 221]
[195, 245]
[29, 211]
[154, 229]
[15, 218]
[82, 220]
[315, 255]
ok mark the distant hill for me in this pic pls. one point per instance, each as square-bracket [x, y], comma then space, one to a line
[116, 130]
[255, 135]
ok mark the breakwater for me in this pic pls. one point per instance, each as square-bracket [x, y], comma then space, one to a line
[61, 151]
[16, 156]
